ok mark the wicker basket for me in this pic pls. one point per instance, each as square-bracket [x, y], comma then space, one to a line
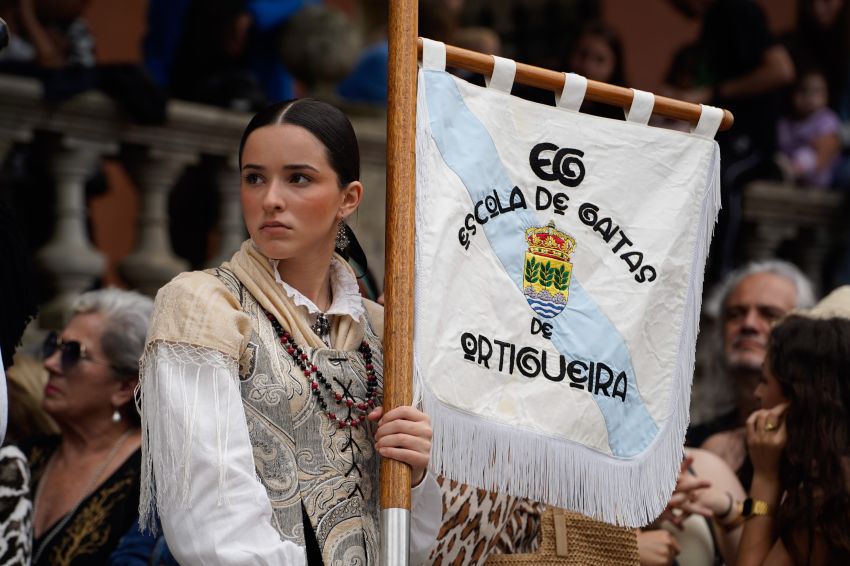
[567, 538]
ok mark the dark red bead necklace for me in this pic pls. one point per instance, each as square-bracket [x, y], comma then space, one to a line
[356, 410]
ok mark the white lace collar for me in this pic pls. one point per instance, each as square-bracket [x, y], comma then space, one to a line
[346, 294]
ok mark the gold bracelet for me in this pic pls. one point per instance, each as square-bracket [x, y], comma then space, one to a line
[755, 508]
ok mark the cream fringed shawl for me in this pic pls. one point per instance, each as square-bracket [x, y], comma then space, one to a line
[198, 320]
[229, 334]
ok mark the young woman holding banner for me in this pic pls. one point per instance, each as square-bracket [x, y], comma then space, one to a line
[270, 366]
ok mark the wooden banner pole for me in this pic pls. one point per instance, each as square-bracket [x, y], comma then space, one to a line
[399, 273]
[596, 91]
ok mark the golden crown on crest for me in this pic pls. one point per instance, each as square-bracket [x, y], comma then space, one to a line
[550, 242]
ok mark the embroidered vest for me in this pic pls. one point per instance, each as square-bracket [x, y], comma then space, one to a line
[301, 457]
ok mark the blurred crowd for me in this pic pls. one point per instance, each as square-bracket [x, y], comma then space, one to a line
[765, 478]
[788, 92]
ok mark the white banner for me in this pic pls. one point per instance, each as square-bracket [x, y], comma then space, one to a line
[559, 267]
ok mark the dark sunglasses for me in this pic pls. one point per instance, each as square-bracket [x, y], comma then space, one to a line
[70, 351]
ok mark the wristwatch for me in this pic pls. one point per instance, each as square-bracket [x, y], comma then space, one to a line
[755, 508]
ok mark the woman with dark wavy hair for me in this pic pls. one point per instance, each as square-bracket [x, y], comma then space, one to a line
[798, 511]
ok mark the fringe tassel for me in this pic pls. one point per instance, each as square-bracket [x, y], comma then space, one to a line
[523, 463]
[147, 492]
[169, 400]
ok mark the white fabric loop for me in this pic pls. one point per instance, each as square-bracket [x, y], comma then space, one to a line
[504, 71]
[642, 104]
[433, 55]
[709, 122]
[572, 95]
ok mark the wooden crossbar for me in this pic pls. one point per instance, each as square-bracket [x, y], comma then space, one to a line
[596, 91]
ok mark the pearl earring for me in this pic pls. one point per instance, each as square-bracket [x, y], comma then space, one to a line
[116, 416]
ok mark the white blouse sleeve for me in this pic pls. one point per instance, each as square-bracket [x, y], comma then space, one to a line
[426, 516]
[198, 470]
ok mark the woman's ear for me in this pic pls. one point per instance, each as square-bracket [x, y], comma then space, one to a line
[351, 195]
[125, 391]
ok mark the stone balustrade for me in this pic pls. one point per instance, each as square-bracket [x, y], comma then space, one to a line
[91, 127]
[803, 220]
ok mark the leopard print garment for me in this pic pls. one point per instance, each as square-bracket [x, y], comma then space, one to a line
[15, 508]
[478, 523]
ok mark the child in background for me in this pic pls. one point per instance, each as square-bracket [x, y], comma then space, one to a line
[49, 34]
[808, 140]
[598, 55]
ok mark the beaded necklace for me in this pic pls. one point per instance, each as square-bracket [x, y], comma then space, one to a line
[344, 401]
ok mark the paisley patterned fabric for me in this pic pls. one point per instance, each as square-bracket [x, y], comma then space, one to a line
[233, 440]
[332, 471]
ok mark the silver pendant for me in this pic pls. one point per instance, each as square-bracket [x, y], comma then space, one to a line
[322, 325]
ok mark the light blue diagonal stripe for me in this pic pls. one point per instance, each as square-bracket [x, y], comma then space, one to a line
[581, 331]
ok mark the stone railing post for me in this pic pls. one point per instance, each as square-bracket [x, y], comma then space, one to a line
[6, 143]
[9, 136]
[231, 227]
[69, 259]
[155, 157]
[153, 262]
[765, 239]
[816, 247]
[804, 217]
[368, 221]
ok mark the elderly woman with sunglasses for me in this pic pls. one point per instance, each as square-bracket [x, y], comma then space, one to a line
[85, 481]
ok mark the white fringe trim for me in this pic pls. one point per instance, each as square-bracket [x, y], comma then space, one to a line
[523, 463]
[176, 380]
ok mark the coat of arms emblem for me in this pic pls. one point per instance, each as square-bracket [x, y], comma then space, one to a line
[547, 273]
